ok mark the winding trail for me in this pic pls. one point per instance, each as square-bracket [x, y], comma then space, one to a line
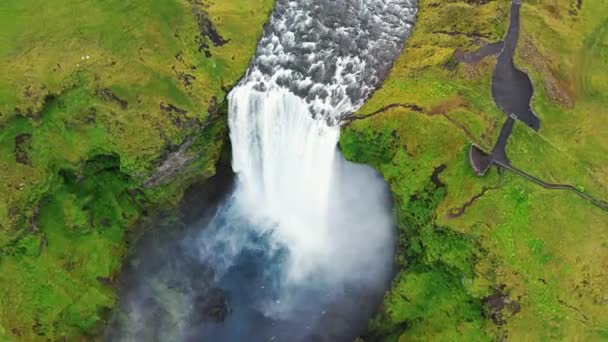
[411, 107]
[512, 92]
[598, 203]
[486, 50]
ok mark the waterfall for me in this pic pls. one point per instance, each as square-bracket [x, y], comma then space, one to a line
[325, 224]
[316, 63]
[284, 160]
[302, 248]
[319, 227]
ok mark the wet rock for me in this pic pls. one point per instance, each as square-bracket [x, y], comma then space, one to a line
[27, 92]
[169, 108]
[91, 117]
[34, 219]
[105, 281]
[175, 162]
[23, 144]
[39, 329]
[108, 96]
[477, 2]
[208, 34]
[212, 305]
[44, 242]
[179, 57]
[499, 307]
[214, 107]
[185, 78]
[178, 116]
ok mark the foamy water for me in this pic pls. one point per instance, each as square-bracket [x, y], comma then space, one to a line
[302, 249]
[317, 62]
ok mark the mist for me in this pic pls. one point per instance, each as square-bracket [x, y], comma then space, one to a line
[255, 268]
[300, 247]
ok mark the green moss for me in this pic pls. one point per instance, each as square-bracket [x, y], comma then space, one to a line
[82, 129]
[543, 251]
[430, 297]
[375, 147]
[52, 277]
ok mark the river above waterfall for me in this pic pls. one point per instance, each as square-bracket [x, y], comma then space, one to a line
[300, 247]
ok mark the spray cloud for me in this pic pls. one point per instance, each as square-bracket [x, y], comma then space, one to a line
[302, 247]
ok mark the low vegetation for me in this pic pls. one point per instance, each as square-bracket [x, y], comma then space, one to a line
[498, 256]
[96, 100]
[108, 108]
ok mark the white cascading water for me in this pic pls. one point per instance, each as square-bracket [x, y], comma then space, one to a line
[302, 249]
[317, 62]
[284, 160]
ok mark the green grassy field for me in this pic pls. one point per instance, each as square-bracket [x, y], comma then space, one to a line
[93, 96]
[493, 257]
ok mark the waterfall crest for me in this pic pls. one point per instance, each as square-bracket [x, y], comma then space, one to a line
[302, 248]
[331, 53]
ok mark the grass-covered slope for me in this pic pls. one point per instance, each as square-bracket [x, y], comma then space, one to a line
[96, 98]
[498, 256]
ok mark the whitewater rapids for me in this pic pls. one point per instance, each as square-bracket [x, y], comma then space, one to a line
[316, 63]
[302, 248]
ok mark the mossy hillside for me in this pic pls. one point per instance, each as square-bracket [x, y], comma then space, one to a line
[441, 28]
[483, 258]
[154, 79]
[59, 272]
[438, 291]
[56, 278]
[44, 45]
[138, 64]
